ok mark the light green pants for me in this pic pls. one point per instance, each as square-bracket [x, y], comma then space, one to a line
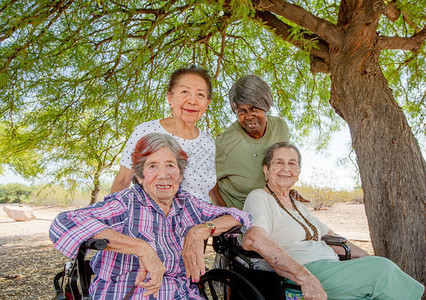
[370, 277]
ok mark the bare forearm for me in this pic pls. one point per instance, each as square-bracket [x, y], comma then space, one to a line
[217, 197]
[357, 252]
[121, 243]
[276, 256]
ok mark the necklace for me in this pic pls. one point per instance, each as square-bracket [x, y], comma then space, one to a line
[255, 150]
[308, 235]
[190, 150]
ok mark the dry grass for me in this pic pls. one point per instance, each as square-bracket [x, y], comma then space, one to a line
[27, 272]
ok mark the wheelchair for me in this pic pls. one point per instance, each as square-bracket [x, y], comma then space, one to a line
[238, 282]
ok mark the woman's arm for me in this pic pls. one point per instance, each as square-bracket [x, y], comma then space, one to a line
[71, 228]
[283, 264]
[356, 252]
[149, 262]
[122, 180]
[193, 249]
[217, 197]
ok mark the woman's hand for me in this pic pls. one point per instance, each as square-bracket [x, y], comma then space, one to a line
[149, 262]
[313, 290]
[193, 251]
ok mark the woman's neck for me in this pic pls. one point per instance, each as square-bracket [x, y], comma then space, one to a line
[279, 190]
[282, 193]
[179, 128]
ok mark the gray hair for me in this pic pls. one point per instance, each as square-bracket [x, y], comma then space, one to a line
[269, 153]
[153, 142]
[251, 90]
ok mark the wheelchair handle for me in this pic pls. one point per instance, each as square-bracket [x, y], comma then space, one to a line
[95, 244]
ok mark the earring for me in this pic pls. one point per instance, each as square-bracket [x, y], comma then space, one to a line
[171, 116]
[266, 178]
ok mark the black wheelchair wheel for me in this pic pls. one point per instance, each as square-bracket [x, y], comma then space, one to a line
[218, 284]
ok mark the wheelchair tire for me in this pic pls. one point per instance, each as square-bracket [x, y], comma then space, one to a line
[218, 284]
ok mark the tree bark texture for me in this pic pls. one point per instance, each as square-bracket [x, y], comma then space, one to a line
[389, 158]
[96, 188]
[390, 161]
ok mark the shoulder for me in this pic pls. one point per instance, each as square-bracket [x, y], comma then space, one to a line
[276, 121]
[257, 193]
[205, 137]
[256, 196]
[148, 126]
[229, 132]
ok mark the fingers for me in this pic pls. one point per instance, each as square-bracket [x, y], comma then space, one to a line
[193, 256]
[150, 263]
[151, 287]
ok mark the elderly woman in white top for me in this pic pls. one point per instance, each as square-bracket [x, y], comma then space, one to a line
[289, 238]
[189, 93]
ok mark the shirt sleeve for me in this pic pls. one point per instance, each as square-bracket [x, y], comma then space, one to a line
[220, 160]
[210, 212]
[285, 130]
[257, 206]
[126, 159]
[70, 229]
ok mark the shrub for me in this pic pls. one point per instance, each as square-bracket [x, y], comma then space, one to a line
[61, 196]
[14, 193]
[323, 197]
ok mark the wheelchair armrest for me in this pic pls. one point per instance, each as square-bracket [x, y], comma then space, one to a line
[341, 241]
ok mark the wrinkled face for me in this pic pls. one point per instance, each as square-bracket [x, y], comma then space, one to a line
[161, 176]
[252, 119]
[284, 169]
[188, 98]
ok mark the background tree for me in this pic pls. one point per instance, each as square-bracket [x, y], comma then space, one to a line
[65, 56]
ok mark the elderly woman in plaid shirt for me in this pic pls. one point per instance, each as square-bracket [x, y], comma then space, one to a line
[156, 230]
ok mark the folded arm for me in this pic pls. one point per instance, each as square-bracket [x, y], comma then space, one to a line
[149, 262]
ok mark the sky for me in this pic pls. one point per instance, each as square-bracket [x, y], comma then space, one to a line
[320, 169]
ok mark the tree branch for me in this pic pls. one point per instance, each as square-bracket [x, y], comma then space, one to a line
[296, 14]
[319, 53]
[403, 43]
[392, 12]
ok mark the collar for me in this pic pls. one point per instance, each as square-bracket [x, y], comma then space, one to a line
[178, 201]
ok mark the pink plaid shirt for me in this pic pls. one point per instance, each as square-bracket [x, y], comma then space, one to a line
[133, 213]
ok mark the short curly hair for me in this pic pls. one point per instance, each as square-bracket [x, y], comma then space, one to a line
[153, 142]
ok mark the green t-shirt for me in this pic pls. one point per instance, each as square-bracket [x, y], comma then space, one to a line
[239, 159]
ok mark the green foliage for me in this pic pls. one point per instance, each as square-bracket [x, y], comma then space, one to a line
[14, 193]
[57, 195]
[76, 77]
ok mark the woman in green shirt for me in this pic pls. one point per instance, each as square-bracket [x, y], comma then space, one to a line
[240, 148]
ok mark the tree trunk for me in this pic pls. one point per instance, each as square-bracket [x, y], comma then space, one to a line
[97, 186]
[390, 161]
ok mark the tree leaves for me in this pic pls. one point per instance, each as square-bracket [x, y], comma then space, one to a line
[76, 77]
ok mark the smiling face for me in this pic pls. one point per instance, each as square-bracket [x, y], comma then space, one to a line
[284, 169]
[161, 177]
[252, 119]
[188, 99]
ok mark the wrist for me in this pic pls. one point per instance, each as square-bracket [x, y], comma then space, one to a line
[211, 226]
[143, 248]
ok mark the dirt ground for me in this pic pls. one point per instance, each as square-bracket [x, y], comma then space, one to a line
[29, 261]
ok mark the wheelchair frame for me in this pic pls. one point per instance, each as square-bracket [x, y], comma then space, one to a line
[239, 282]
